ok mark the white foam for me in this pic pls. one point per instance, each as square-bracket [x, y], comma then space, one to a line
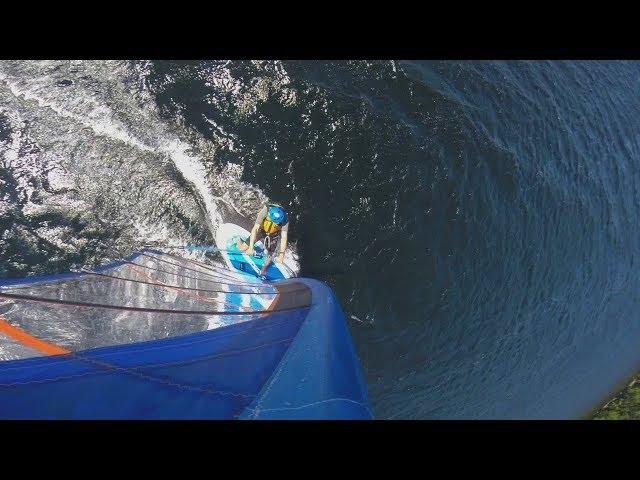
[191, 167]
[83, 108]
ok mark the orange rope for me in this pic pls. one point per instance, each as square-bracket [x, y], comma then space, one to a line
[25, 339]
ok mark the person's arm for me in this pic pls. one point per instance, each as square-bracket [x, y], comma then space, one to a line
[283, 243]
[254, 231]
[252, 240]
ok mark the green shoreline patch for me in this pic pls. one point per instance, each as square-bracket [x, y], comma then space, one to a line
[624, 406]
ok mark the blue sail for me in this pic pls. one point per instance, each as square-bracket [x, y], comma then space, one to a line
[157, 336]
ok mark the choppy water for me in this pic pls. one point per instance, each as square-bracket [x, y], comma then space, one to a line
[477, 220]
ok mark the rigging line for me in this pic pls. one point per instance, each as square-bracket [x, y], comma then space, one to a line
[190, 248]
[92, 272]
[219, 271]
[213, 268]
[72, 303]
[136, 370]
[255, 329]
[256, 284]
[183, 260]
[195, 296]
[178, 265]
[187, 288]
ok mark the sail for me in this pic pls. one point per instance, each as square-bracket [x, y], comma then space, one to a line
[158, 336]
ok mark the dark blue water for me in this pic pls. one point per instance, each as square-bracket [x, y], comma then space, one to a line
[478, 220]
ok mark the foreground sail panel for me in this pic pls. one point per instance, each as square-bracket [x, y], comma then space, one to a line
[158, 336]
[212, 374]
[319, 376]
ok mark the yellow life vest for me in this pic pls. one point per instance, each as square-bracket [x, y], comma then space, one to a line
[269, 227]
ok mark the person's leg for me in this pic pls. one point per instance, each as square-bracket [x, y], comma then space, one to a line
[265, 265]
[276, 248]
[270, 250]
[242, 245]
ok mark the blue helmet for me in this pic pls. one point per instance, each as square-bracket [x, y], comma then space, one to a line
[276, 215]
